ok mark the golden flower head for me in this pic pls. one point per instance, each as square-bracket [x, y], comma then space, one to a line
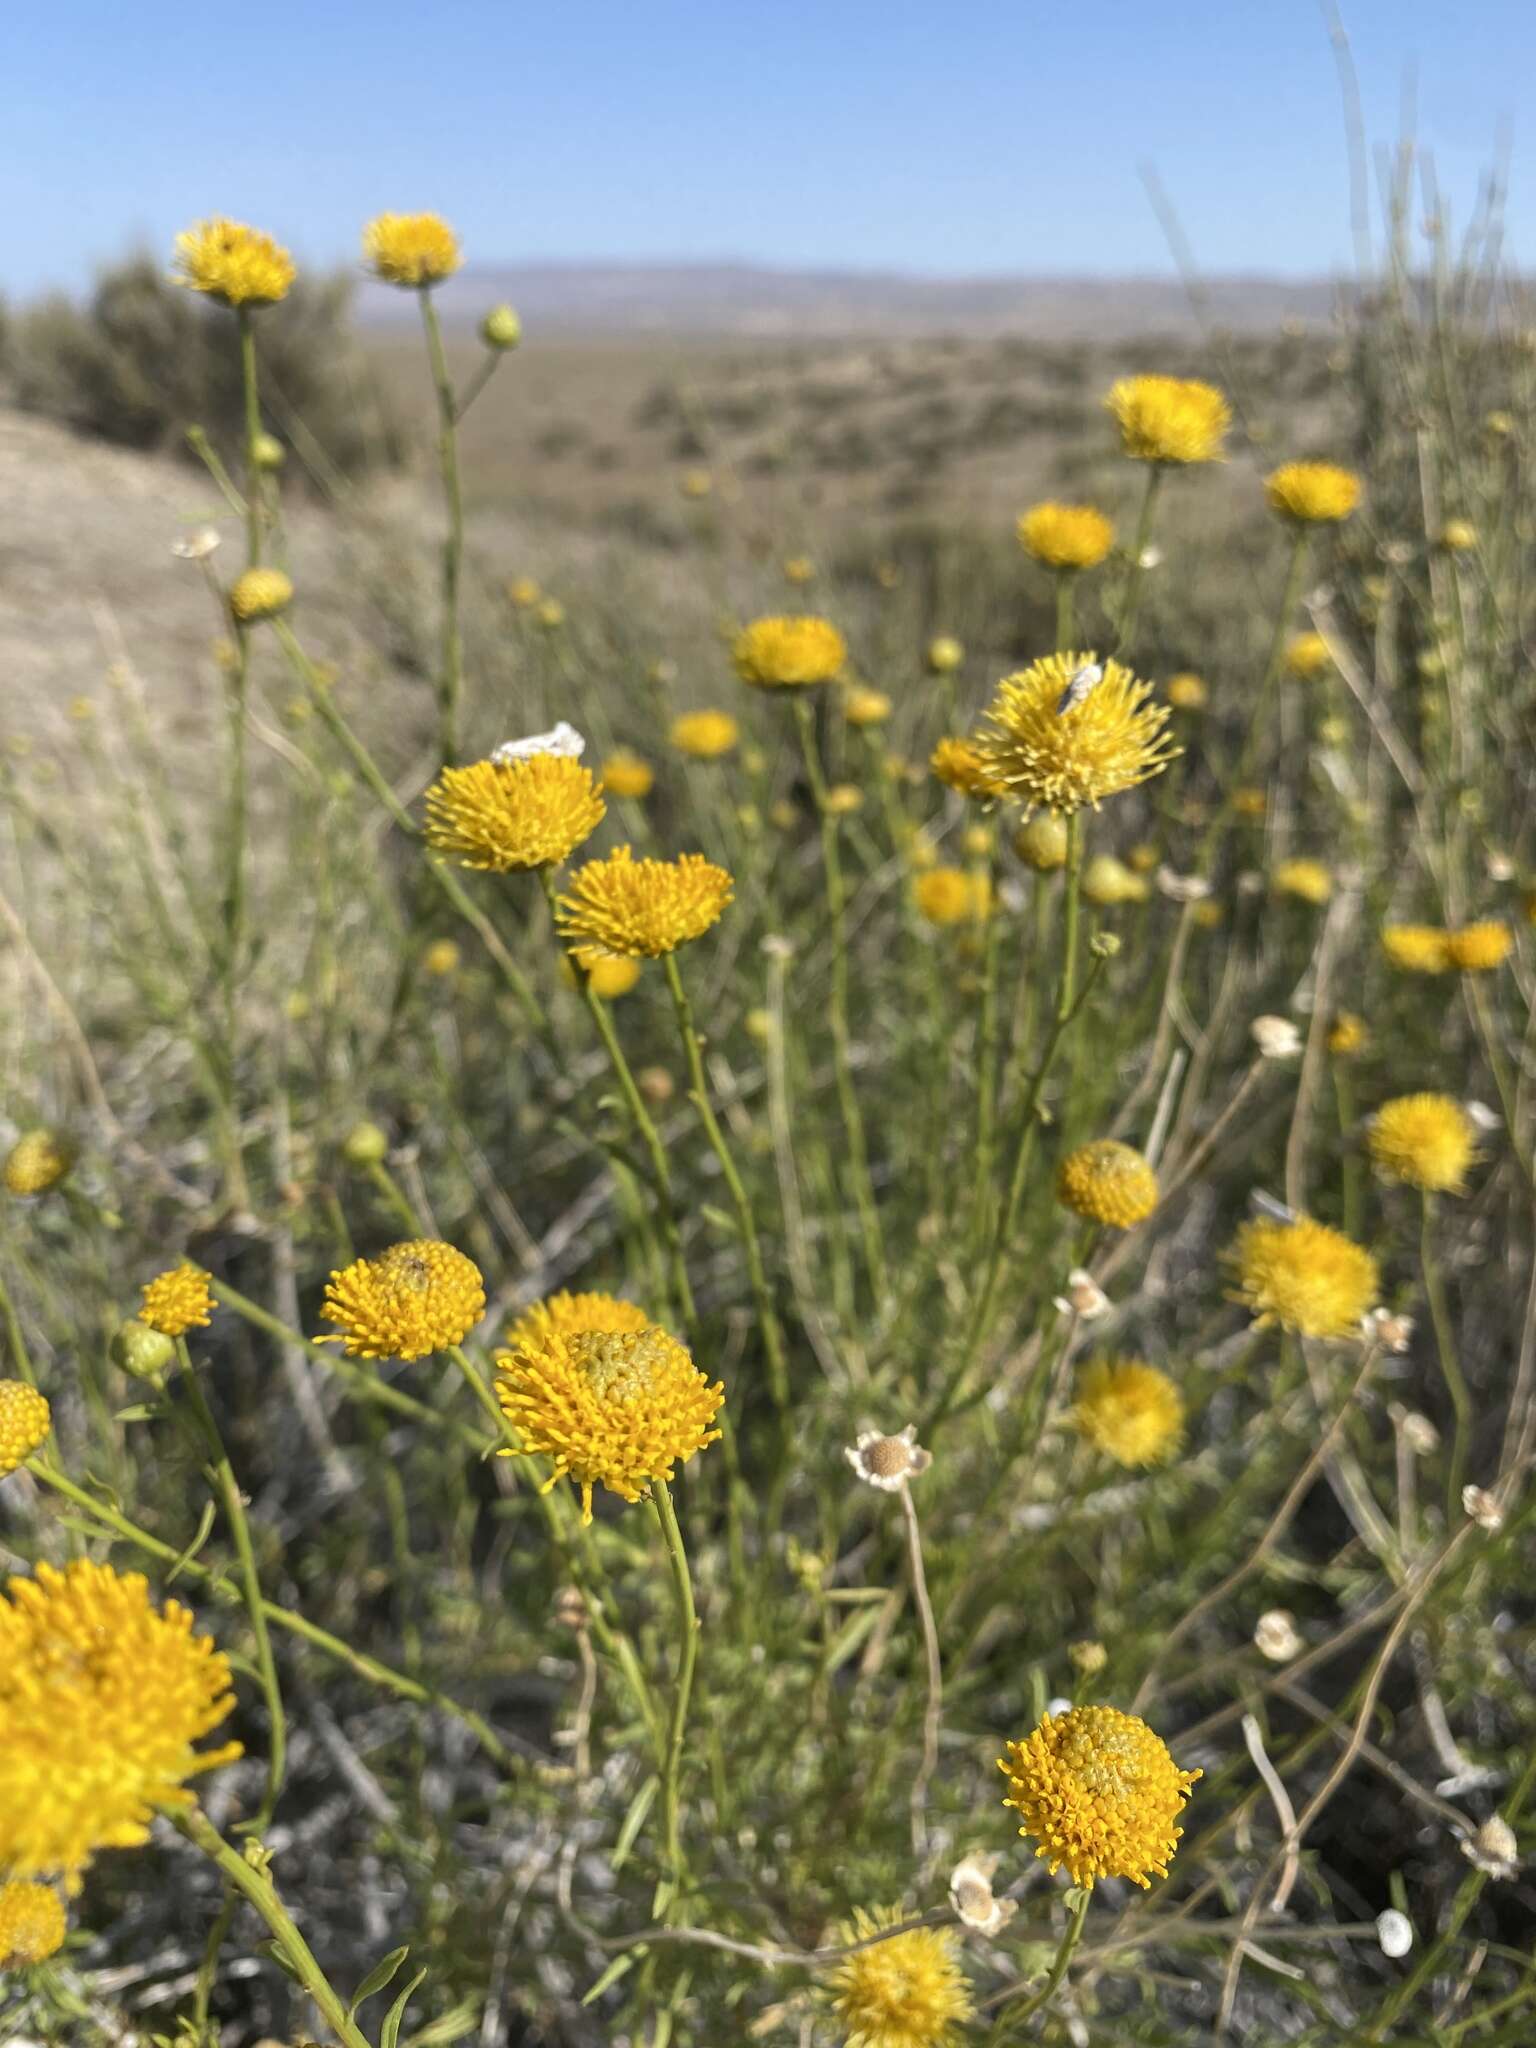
[905, 1992]
[411, 249]
[102, 1697]
[524, 592]
[945, 654]
[260, 594]
[864, 706]
[1187, 692]
[1347, 1035]
[237, 265]
[1459, 536]
[643, 908]
[32, 1924]
[799, 569]
[1065, 536]
[624, 774]
[442, 958]
[946, 896]
[564, 1314]
[608, 975]
[25, 1420]
[613, 1407]
[1424, 1141]
[958, 765]
[1108, 1183]
[1312, 493]
[1309, 880]
[549, 612]
[1052, 752]
[1041, 843]
[1169, 419]
[705, 735]
[177, 1300]
[1130, 1411]
[528, 812]
[37, 1162]
[1416, 948]
[413, 1299]
[1479, 948]
[786, 653]
[1304, 1276]
[1100, 1793]
[1307, 656]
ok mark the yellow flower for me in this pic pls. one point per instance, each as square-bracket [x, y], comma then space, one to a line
[1479, 948]
[1458, 535]
[177, 1301]
[1108, 1183]
[906, 1992]
[25, 1420]
[616, 1408]
[625, 774]
[958, 765]
[102, 1698]
[1065, 536]
[412, 249]
[863, 706]
[643, 908]
[1307, 879]
[1186, 692]
[37, 1162]
[32, 1924]
[609, 976]
[1416, 948]
[1248, 802]
[1107, 881]
[1042, 843]
[529, 812]
[260, 594]
[1424, 1141]
[1304, 1276]
[799, 569]
[1130, 1411]
[1347, 1035]
[413, 1299]
[564, 1315]
[524, 592]
[1169, 419]
[232, 263]
[946, 896]
[945, 654]
[1061, 759]
[549, 612]
[696, 483]
[1312, 493]
[705, 735]
[1307, 656]
[1100, 1793]
[785, 653]
[441, 957]
[843, 799]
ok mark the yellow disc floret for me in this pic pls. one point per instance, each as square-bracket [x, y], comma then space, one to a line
[413, 1299]
[1051, 747]
[102, 1697]
[1130, 1411]
[1304, 1276]
[1312, 493]
[643, 908]
[237, 265]
[411, 249]
[529, 812]
[1108, 1183]
[177, 1300]
[1099, 1792]
[612, 1408]
[25, 1420]
[1169, 419]
[563, 1314]
[1424, 1141]
[1066, 536]
[32, 1924]
[906, 1992]
[705, 735]
[37, 1162]
[787, 653]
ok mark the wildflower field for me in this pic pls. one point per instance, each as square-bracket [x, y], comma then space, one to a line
[767, 1276]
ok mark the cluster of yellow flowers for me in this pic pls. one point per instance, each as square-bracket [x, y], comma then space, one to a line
[1427, 949]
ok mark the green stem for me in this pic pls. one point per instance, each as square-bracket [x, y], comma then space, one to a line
[1450, 1363]
[1131, 602]
[253, 475]
[1066, 605]
[688, 1623]
[1077, 1915]
[451, 660]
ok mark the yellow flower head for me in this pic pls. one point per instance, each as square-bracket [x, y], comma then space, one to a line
[37, 1162]
[102, 1697]
[1108, 1183]
[958, 765]
[260, 594]
[1050, 753]
[778, 654]
[1107, 881]
[1424, 1141]
[1307, 879]
[1458, 535]
[232, 263]
[25, 1420]
[945, 896]
[177, 1300]
[1304, 1276]
[1479, 948]
[1100, 1793]
[1065, 536]
[907, 1992]
[1347, 1035]
[411, 249]
[32, 1924]
[413, 1299]
[705, 735]
[643, 908]
[1186, 692]
[695, 483]
[606, 974]
[524, 592]
[945, 654]
[1307, 657]
[565, 1314]
[799, 569]
[863, 706]
[1312, 493]
[1416, 948]
[619, 1408]
[1130, 1411]
[1169, 419]
[624, 774]
[441, 958]
[529, 812]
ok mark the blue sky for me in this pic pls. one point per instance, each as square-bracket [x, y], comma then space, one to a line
[953, 136]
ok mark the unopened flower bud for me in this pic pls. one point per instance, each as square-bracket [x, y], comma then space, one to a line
[141, 1351]
[364, 1145]
[267, 452]
[501, 329]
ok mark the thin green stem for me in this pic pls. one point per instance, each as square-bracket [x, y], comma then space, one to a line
[451, 658]
[254, 511]
[1130, 604]
[688, 1652]
[1077, 1914]
[1450, 1364]
[1066, 607]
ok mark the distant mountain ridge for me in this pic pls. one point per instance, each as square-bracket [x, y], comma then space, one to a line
[754, 300]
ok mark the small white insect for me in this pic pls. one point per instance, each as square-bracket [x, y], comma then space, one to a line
[564, 739]
[1085, 681]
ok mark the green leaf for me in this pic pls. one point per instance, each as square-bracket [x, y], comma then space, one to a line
[612, 1974]
[851, 1638]
[389, 2033]
[377, 1978]
[274, 1953]
[634, 1821]
[204, 1530]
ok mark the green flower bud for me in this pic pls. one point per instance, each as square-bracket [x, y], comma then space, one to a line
[364, 1145]
[501, 328]
[267, 452]
[141, 1351]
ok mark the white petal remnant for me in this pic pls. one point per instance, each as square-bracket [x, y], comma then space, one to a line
[888, 1461]
[1391, 1332]
[1482, 1507]
[1276, 1037]
[562, 740]
[970, 1893]
[1275, 1636]
[196, 546]
[1493, 1849]
[1084, 1297]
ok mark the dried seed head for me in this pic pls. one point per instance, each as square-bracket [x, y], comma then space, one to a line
[1493, 1849]
[1482, 1507]
[888, 1461]
[1275, 1636]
